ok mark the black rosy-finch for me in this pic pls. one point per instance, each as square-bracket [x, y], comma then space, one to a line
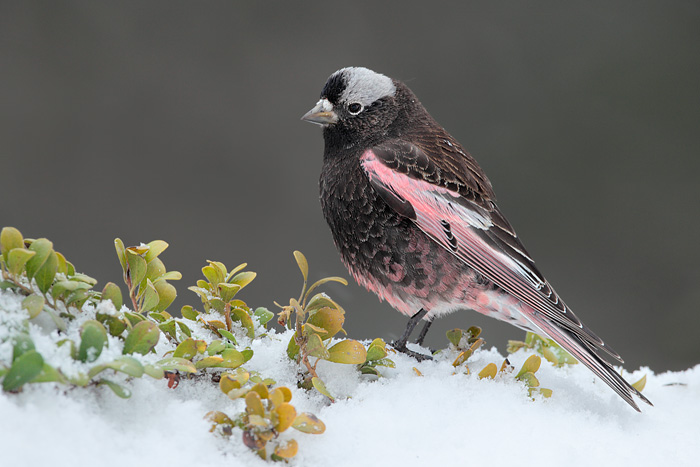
[415, 220]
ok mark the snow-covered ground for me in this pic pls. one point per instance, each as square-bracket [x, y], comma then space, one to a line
[403, 418]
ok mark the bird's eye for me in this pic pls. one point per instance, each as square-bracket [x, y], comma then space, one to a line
[355, 108]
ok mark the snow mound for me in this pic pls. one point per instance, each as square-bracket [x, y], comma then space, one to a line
[431, 416]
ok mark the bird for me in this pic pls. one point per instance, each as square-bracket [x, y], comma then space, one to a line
[415, 220]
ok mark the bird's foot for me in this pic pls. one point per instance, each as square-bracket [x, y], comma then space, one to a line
[401, 347]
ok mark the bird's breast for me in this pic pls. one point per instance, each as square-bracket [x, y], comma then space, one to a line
[384, 251]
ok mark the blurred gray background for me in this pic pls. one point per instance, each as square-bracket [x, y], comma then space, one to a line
[180, 121]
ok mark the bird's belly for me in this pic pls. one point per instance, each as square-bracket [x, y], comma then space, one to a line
[390, 256]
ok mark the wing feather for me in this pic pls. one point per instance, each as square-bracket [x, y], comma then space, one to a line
[478, 233]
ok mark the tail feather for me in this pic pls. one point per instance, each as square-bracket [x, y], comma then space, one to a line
[584, 354]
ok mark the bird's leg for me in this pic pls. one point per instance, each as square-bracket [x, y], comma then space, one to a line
[410, 326]
[423, 332]
[400, 344]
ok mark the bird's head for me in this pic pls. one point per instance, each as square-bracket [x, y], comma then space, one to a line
[357, 105]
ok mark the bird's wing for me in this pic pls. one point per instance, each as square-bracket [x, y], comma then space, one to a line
[463, 218]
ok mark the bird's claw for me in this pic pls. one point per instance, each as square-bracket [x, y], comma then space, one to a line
[401, 347]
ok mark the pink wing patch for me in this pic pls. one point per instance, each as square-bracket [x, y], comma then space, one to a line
[462, 227]
[444, 216]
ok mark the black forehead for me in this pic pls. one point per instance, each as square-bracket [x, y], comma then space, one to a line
[334, 88]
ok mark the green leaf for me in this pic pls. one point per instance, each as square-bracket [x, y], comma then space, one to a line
[454, 336]
[83, 278]
[348, 351]
[142, 338]
[639, 385]
[61, 287]
[315, 347]
[126, 365]
[201, 291]
[244, 278]
[217, 304]
[207, 362]
[63, 265]
[308, 329]
[169, 328]
[49, 374]
[377, 350]
[321, 300]
[153, 371]
[531, 365]
[369, 370]
[326, 280]
[263, 315]
[215, 347]
[21, 344]
[247, 354]
[529, 378]
[113, 292]
[155, 248]
[228, 382]
[549, 355]
[121, 252]
[136, 268]
[245, 319]
[77, 298]
[92, 341]
[189, 348]
[233, 272]
[17, 258]
[10, 238]
[213, 274]
[473, 332]
[228, 291]
[302, 263]
[80, 379]
[150, 297]
[228, 335]
[24, 369]
[170, 276]
[292, 348]
[155, 269]
[158, 317]
[320, 386]
[232, 358]
[134, 318]
[166, 295]
[387, 362]
[45, 274]
[184, 328]
[514, 346]
[177, 364]
[189, 313]
[120, 391]
[33, 304]
[42, 249]
[489, 371]
[329, 319]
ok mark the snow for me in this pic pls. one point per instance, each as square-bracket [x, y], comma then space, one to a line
[403, 418]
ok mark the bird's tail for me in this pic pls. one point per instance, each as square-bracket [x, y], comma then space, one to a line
[584, 354]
